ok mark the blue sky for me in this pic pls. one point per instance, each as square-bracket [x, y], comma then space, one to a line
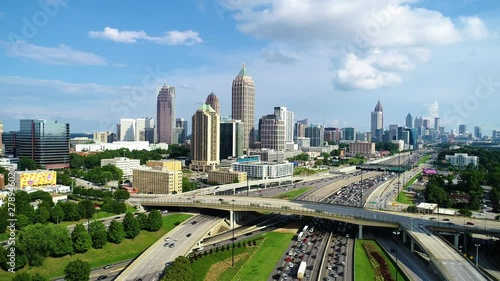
[92, 62]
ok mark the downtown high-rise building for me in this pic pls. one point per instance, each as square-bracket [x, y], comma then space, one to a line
[287, 116]
[126, 129]
[478, 132]
[243, 105]
[231, 138]
[349, 134]
[393, 132]
[205, 139]
[145, 129]
[180, 131]
[377, 122]
[316, 135]
[272, 132]
[299, 131]
[1, 143]
[213, 101]
[436, 124]
[462, 129]
[409, 121]
[44, 141]
[165, 114]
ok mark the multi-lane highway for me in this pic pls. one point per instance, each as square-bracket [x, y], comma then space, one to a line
[442, 253]
[178, 242]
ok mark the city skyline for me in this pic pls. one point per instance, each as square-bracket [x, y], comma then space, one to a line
[111, 68]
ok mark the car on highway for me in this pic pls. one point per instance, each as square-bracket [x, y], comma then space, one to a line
[194, 222]
[446, 219]
[166, 244]
[216, 244]
[164, 211]
[167, 239]
[172, 245]
[102, 277]
[469, 223]
[109, 266]
[188, 235]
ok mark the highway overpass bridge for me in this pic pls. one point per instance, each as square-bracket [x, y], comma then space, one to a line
[445, 259]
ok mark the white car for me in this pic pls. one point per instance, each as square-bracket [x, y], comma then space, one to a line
[167, 239]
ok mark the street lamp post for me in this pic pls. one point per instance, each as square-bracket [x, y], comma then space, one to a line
[396, 232]
[232, 222]
[477, 254]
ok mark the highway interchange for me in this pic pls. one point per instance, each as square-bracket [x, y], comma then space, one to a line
[327, 240]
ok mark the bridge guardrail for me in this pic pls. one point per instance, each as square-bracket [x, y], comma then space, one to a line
[277, 208]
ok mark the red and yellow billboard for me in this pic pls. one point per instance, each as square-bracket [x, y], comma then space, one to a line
[36, 178]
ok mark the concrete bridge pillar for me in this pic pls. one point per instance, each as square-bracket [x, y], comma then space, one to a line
[360, 232]
[457, 236]
[404, 237]
[231, 218]
[412, 245]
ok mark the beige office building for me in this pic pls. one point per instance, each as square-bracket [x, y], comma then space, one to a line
[225, 176]
[243, 105]
[363, 148]
[170, 164]
[152, 181]
[205, 139]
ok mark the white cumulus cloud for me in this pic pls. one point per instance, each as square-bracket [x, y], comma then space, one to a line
[173, 37]
[62, 54]
[379, 39]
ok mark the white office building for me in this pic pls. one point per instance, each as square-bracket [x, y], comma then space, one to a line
[123, 163]
[264, 170]
[462, 159]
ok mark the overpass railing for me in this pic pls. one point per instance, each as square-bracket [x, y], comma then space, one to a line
[348, 214]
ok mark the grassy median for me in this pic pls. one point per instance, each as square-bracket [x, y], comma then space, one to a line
[363, 269]
[111, 253]
[290, 195]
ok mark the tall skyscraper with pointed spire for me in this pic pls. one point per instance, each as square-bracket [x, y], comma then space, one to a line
[409, 121]
[165, 110]
[243, 105]
[377, 122]
[213, 101]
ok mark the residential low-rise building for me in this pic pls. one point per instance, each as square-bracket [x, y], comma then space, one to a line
[462, 159]
[123, 163]
[264, 170]
[157, 181]
[225, 176]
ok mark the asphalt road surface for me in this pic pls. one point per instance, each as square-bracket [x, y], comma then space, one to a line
[151, 263]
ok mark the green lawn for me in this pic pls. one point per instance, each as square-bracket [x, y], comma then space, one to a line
[111, 253]
[423, 159]
[363, 270]
[362, 267]
[412, 181]
[202, 266]
[404, 199]
[290, 195]
[262, 263]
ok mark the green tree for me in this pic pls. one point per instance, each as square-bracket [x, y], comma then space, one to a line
[121, 195]
[60, 240]
[26, 163]
[42, 214]
[71, 212]
[21, 258]
[33, 241]
[143, 220]
[155, 220]
[81, 239]
[131, 226]
[98, 234]
[77, 270]
[57, 214]
[41, 196]
[86, 208]
[116, 233]
[187, 185]
[76, 161]
[23, 276]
